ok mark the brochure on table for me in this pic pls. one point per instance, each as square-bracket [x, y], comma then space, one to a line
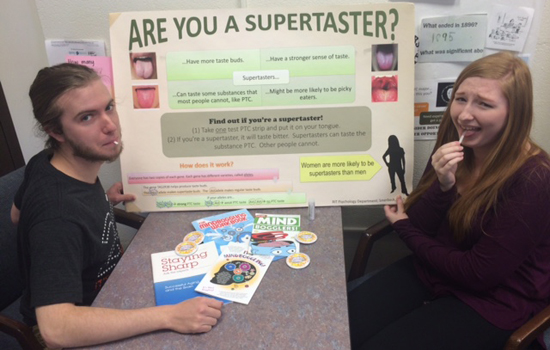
[274, 235]
[176, 277]
[247, 245]
[265, 107]
[235, 276]
[234, 226]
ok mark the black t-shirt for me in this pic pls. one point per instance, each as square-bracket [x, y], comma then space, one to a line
[68, 242]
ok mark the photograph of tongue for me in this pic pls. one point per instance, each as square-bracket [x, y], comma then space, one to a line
[384, 89]
[145, 96]
[384, 57]
[143, 65]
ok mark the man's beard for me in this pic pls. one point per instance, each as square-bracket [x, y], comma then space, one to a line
[90, 155]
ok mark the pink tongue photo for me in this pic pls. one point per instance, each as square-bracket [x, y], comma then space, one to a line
[144, 69]
[146, 97]
[385, 60]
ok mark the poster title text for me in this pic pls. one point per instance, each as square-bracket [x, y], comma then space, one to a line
[378, 24]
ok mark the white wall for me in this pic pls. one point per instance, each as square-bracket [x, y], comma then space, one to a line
[23, 54]
[540, 69]
[26, 23]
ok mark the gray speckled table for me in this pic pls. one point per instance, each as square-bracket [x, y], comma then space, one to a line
[291, 309]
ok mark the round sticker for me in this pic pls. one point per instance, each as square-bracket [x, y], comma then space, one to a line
[238, 278]
[298, 260]
[194, 236]
[186, 248]
[306, 237]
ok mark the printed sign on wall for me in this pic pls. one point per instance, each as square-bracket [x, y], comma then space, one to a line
[259, 108]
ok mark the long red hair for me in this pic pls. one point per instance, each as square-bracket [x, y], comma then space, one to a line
[509, 153]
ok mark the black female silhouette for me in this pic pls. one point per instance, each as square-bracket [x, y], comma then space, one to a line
[396, 164]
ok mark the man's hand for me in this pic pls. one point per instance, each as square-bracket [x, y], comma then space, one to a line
[197, 315]
[15, 214]
[395, 212]
[116, 195]
[66, 325]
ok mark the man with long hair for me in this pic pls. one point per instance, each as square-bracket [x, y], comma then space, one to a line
[68, 243]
